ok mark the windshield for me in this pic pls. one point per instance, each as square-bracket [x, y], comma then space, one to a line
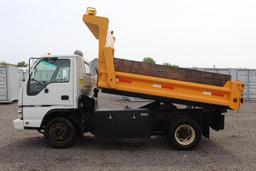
[48, 71]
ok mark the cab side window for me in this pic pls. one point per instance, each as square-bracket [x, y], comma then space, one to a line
[62, 75]
[87, 69]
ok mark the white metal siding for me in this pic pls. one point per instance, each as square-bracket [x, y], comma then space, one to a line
[20, 77]
[243, 76]
[9, 86]
[252, 84]
[3, 84]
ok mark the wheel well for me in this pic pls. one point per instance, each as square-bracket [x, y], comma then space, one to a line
[201, 118]
[59, 113]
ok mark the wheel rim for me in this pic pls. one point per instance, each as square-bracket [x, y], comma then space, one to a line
[185, 134]
[59, 133]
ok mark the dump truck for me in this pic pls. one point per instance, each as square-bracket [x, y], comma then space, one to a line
[59, 97]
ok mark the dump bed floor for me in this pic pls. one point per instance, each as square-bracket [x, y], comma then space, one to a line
[182, 74]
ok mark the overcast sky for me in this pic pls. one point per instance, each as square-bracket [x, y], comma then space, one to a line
[189, 33]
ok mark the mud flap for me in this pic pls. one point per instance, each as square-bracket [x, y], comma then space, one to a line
[218, 122]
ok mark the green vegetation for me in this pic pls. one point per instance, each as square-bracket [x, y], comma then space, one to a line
[149, 60]
[22, 64]
[2, 63]
[170, 65]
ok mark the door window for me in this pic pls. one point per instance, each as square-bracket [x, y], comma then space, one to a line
[48, 71]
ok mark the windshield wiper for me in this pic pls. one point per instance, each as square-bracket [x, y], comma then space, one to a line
[42, 84]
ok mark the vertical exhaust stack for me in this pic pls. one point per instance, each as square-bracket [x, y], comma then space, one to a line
[79, 53]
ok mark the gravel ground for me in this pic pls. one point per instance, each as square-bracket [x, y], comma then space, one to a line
[231, 149]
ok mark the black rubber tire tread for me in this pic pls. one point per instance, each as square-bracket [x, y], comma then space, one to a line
[71, 129]
[171, 133]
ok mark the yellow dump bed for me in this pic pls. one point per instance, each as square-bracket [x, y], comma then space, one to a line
[230, 95]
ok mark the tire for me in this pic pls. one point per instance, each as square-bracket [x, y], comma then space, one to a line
[60, 133]
[184, 134]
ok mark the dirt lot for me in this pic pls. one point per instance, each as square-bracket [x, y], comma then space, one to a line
[231, 149]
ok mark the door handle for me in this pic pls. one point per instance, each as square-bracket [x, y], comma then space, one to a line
[64, 97]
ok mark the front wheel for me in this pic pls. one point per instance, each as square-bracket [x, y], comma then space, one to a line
[184, 134]
[60, 132]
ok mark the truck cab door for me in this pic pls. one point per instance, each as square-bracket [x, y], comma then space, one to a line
[49, 87]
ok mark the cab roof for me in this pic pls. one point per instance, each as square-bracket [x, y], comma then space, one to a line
[64, 57]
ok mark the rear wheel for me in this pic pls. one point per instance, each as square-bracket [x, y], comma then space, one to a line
[60, 132]
[184, 134]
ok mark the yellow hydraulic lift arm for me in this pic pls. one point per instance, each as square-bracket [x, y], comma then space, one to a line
[99, 27]
[230, 95]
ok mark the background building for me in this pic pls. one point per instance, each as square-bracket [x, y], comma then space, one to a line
[248, 76]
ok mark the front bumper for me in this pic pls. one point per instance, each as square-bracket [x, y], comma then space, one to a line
[18, 124]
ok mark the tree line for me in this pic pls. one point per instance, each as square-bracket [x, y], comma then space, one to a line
[149, 60]
[19, 64]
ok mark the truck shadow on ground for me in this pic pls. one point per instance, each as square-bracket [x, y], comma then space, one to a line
[142, 153]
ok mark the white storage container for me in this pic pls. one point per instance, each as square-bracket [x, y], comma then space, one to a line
[9, 84]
